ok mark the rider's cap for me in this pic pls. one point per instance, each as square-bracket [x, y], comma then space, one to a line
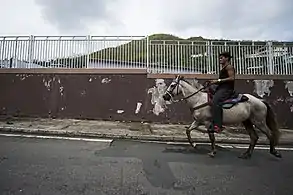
[226, 54]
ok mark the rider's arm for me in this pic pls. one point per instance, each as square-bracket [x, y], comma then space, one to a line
[231, 74]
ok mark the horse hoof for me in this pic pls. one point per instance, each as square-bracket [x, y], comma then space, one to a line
[245, 156]
[211, 154]
[193, 145]
[276, 154]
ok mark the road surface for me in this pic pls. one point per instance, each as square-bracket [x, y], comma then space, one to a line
[53, 167]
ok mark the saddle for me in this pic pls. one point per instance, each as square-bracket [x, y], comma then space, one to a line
[233, 100]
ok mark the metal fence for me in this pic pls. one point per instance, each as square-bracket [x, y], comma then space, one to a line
[158, 56]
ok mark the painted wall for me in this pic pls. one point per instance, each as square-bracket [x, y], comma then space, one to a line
[125, 97]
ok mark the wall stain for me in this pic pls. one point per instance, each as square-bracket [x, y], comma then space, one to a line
[47, 83]
[262, 87]
[106, 80]
[138, 106]
[157, 96]
[289, 87]
[120, 111]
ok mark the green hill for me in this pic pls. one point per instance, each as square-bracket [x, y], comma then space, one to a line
[136, 51]
[170, 51]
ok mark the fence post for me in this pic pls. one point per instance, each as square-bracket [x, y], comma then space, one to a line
[240, 63]
[211, 67]
[286, 54]
[271, 60]
[2, 51]
[147, 53]
[89, 38]
[14, 56]
[30, 50]
[178, 61]
[208, 57]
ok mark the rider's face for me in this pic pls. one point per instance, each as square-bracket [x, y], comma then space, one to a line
[223, 60]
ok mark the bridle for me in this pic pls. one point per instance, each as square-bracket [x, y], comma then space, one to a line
[184, 98]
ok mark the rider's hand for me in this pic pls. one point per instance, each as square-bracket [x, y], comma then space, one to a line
[213, 81]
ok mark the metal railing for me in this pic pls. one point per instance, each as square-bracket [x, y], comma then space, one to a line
[249, 58]
[72, 52]
[157, 56]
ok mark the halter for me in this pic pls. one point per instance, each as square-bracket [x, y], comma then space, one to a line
[184, 98]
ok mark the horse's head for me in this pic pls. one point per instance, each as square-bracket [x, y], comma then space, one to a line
[173, 89]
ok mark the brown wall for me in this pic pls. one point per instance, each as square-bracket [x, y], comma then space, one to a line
[99, 95]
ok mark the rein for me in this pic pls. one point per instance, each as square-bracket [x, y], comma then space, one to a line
[189, 96]
[184, 98]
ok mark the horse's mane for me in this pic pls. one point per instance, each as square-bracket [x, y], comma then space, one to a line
[195, 83]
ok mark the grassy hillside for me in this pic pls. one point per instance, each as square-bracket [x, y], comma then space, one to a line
[164, 48]
[170, 51]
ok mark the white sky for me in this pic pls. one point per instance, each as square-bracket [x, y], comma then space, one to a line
[230, 19]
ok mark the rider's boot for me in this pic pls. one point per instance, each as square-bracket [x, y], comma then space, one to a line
[218, 129]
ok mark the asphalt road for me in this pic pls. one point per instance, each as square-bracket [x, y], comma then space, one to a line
[54, 167]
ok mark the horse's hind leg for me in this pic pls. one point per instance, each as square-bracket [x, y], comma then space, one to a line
[265, 130]
[253, 139]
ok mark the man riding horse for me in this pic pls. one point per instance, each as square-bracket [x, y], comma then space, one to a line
[243, 108]
[224, 90]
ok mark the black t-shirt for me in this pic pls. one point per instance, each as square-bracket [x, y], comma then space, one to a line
[226, 84]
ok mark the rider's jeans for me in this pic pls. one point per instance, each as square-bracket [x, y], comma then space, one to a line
[220, 95]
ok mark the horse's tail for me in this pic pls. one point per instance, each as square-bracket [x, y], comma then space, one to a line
[272, 123]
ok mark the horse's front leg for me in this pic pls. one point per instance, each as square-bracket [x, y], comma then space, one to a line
[193, 126]
[213, 144]
[211, 134]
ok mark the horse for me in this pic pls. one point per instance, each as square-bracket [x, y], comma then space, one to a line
[244, 109]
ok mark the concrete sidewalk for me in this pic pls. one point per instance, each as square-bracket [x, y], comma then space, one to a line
[125, 130]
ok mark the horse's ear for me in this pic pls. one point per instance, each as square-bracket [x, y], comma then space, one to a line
[181, 77]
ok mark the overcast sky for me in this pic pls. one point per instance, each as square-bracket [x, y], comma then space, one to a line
[232, 19]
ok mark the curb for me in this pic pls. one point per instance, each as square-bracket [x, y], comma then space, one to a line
[164, 138]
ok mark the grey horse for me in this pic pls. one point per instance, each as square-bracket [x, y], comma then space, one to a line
[243, 109]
